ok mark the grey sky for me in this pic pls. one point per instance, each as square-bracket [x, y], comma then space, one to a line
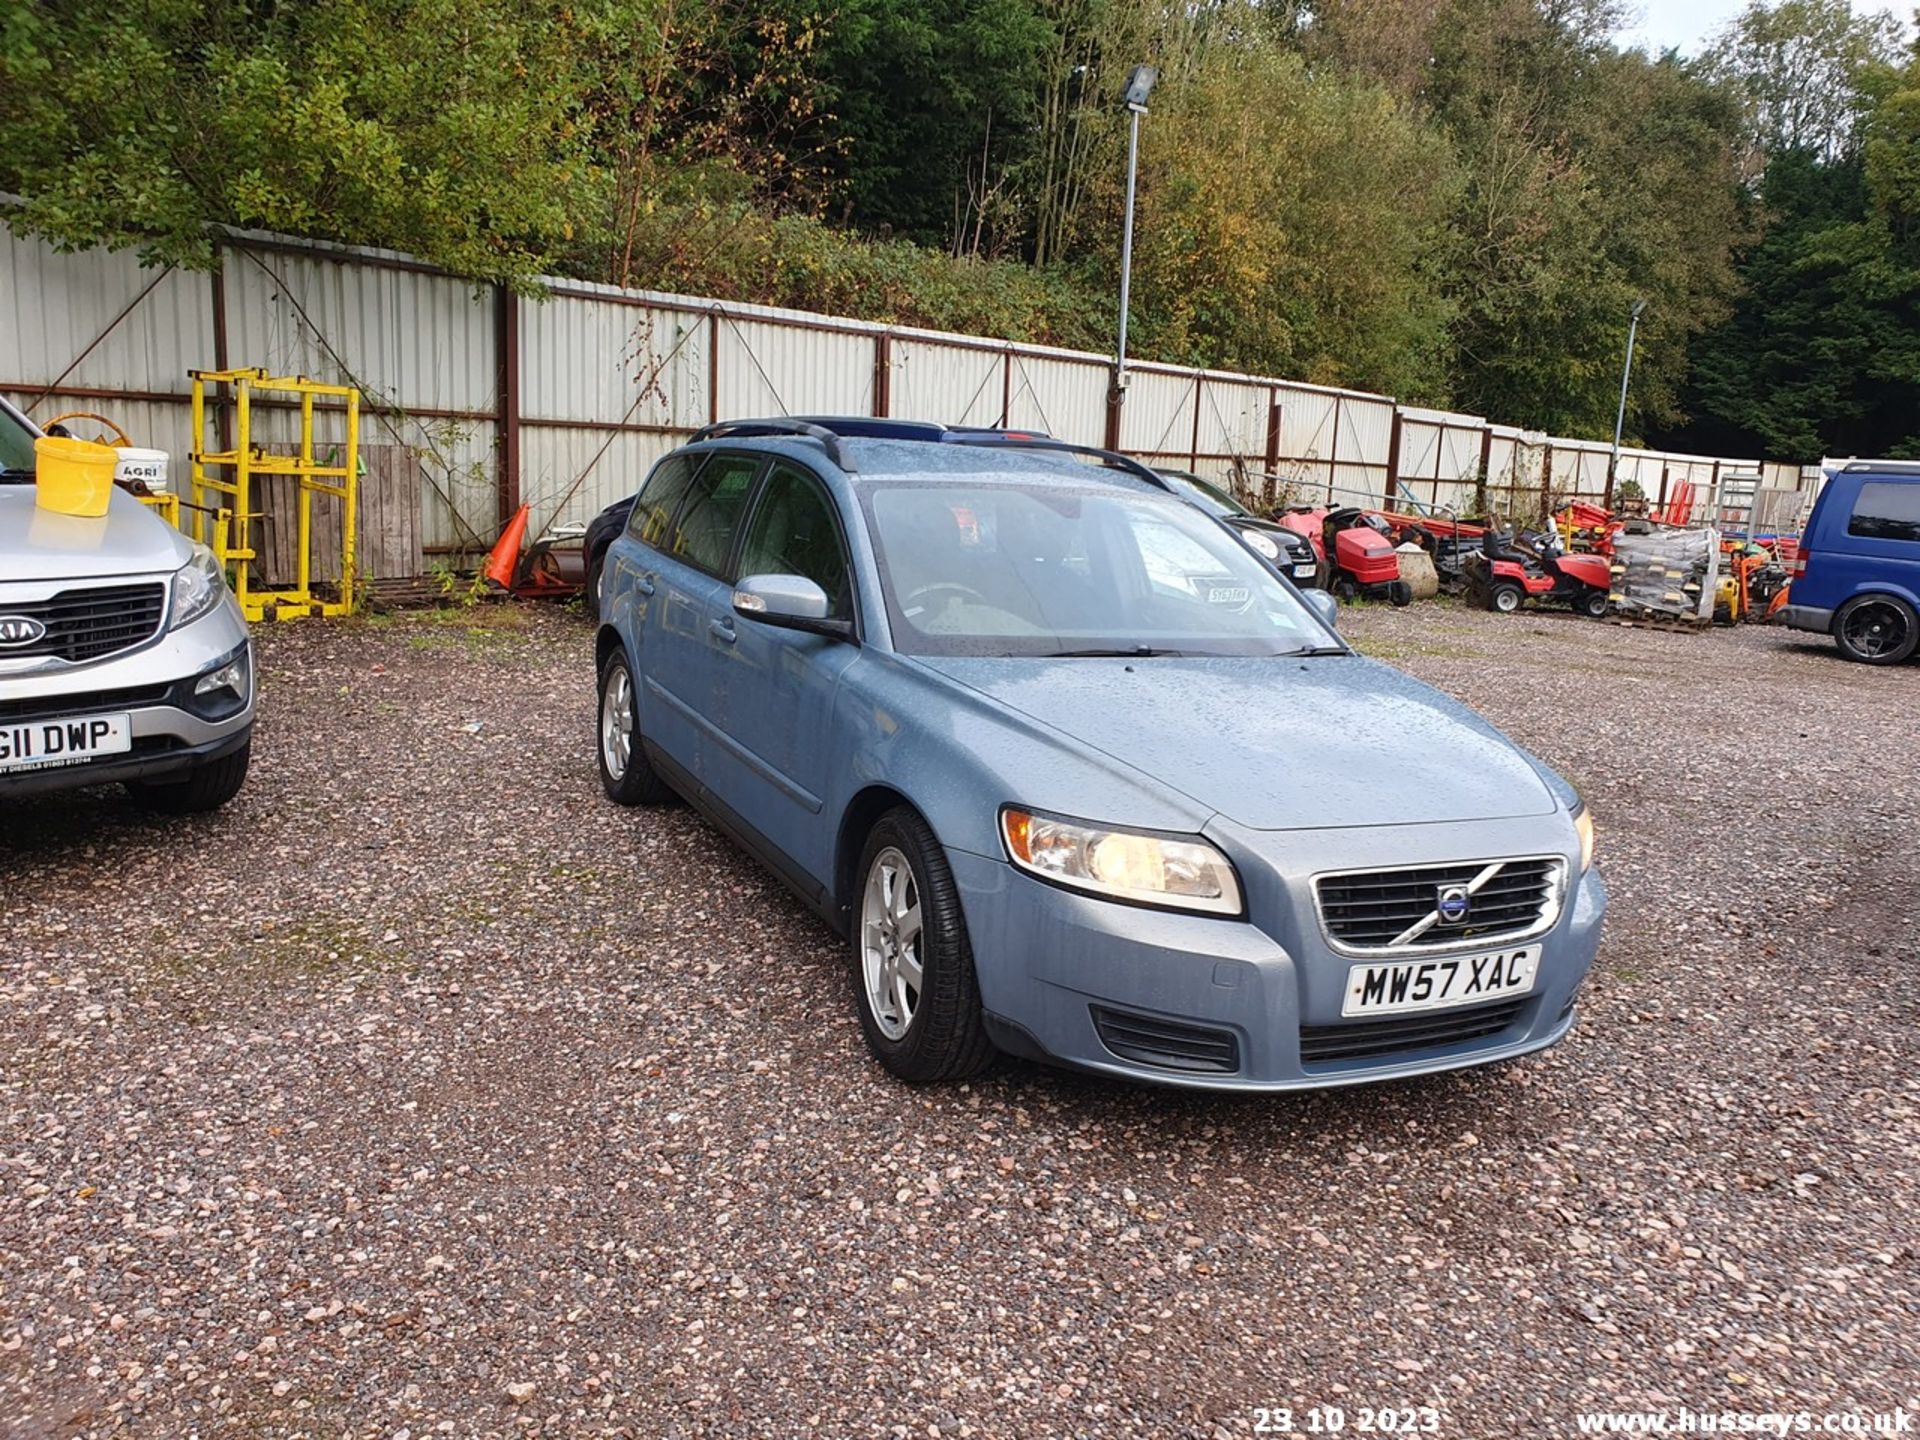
[1692, 24]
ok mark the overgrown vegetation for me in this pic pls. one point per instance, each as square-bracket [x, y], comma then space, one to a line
[1453, 201]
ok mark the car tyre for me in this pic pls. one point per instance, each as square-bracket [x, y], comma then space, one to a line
[596, 571]
[208, 786]
[1877, 629]
[907, 924]
[1505, 598]
[625, 772]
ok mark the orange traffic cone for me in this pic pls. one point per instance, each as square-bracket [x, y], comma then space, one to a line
[504, 558]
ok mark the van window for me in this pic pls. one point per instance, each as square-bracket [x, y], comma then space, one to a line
[1887, 510]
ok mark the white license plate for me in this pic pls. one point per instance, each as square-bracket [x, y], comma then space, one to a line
[1304, 569]
[64, 742]
[1403, 985]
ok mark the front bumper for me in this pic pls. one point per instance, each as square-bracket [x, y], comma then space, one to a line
[172, 729]
[1054, 964]
[1807, 617]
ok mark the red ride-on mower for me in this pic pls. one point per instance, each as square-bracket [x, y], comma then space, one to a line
[1356, 553]
[1505, 575]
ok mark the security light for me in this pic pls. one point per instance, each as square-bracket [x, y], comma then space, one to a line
[1139, 86]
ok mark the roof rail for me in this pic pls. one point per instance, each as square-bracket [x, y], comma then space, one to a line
[1111, 460]
[1881, 467]
[742, 429]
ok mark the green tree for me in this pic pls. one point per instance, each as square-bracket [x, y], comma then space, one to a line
[936, 100]
[1799, 66]
[1822, 355]
[443, 127]
[1262, 243]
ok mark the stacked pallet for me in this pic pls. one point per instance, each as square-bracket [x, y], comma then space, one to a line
[1667, 576]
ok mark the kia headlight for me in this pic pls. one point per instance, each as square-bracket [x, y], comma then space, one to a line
[1583, 827]
[197, 587]
[1181, 873]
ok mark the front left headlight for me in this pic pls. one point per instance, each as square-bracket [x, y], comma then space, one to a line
[1583, 827]
[1180, 873]
[197, 587]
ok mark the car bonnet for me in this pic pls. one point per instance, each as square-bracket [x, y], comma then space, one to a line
[1274, 743]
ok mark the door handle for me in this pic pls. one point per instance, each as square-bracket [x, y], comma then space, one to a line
[644, 584]
[722, 630]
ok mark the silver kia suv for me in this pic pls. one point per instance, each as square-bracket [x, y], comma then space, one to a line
[123, 655]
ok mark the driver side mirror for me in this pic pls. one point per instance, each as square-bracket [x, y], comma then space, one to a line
[788, 602]
[1322, 603]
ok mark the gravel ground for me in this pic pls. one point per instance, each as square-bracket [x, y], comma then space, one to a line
[423, 1092]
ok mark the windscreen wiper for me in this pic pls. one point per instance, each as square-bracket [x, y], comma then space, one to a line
[1309, 650]
[1128, 652]
[14, 472]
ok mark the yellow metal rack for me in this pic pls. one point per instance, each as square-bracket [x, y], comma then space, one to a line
[229, 474]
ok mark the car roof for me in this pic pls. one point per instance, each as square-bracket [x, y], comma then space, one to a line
[866, 448]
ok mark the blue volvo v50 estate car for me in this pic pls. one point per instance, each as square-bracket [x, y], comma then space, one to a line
[1079, 776]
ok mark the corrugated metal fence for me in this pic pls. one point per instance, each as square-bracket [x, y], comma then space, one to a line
[566, 400]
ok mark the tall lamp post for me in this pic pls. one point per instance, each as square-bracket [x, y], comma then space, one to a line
[1620, 415]
[1139, 87]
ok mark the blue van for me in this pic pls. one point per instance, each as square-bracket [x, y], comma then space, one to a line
[1857, 577]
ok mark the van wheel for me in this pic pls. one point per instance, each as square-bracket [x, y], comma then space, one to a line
[912, 963]
[208, 786]
[1877, 629]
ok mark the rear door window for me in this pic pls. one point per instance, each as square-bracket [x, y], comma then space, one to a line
[703, 528]
[666, 487]
[1887, 510]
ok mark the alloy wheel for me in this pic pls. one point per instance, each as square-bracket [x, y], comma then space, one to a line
[891, 960]
[616, 720]
[1875, 628]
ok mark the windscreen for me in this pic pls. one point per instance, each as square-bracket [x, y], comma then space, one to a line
[995, 567]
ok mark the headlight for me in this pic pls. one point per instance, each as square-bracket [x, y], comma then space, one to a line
[197, 587]
[1583, 827]
[1263, 544]
[1183, 874]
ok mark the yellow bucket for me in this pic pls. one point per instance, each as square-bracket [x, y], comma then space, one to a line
[73, 477]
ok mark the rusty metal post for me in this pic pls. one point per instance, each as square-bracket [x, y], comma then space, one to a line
[1273, 428]
[1486, 465]
[713, 367]
[1333, 452]
[507, 343]
[1393, 461]
[883, 375]
[223, 427]
[1006, 388]
[1193, 450]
